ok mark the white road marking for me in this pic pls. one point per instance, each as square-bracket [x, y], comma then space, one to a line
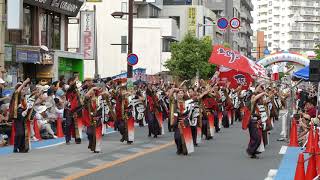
[52, 145]
[272, 172]
[283, 150]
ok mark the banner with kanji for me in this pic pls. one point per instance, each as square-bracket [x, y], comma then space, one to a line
[229, 58]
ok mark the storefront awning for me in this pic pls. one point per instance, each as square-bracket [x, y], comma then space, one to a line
[67, 7]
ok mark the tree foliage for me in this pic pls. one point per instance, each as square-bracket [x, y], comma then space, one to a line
[318, 52]
[189, 56]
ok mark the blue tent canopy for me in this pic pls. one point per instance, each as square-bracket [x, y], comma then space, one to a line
[302, 73]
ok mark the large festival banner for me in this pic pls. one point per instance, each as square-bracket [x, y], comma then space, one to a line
[131, 129]
[229, 58]
[236, 78]
[187, 136]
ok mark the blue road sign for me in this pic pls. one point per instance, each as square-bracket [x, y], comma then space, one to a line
[132, 59]
[223, 23]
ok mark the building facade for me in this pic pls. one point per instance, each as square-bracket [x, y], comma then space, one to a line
[155, 26]
[259, 45]
[278, 19]
[39, 47]
[151, 36]
[241, 9]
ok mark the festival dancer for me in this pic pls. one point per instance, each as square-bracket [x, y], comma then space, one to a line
[92, 118]
[17, 112]
[73, 113]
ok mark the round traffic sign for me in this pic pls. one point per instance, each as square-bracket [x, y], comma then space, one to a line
[235, 23]
[132, 59]
[222, 23]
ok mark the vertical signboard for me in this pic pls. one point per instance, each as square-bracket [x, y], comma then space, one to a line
[192, 20]
[14, 14]
[87, 34]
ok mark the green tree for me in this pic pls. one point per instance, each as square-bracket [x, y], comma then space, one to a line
[189, 56]
[318, 52]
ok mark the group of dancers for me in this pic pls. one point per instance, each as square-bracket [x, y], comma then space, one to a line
[192, 112]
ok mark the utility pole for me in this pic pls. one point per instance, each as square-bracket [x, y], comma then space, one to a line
[96, 67]
[130, 36]
[2, 33]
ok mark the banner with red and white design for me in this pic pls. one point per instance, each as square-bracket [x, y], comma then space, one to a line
[234, 60]
[236, 78]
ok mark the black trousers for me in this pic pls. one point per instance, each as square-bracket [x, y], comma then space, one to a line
[237, 115]
[216, 121]
[178, 140]
[194, 134]
[225, 119]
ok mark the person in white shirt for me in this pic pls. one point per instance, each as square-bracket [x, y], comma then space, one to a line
[43, 120]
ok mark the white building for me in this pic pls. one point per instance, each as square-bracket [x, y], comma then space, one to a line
[155, 26]
[277, 18]
[148, 36]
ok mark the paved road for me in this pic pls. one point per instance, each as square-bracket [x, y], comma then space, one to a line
[223, 158]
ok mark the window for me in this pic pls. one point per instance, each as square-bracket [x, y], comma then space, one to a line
[27, 26]
[166, 45]
[270, 3]
[270, 19]
[270, 28]
[270, 11]
[124, 9]
[124, 44]
[56, 20]
[269, 36]
[50, 26]
[43, 28]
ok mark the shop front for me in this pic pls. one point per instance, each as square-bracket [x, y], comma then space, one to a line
[68, 64]
[36, 63]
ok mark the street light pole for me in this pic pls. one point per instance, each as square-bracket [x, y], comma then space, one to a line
[130, 36]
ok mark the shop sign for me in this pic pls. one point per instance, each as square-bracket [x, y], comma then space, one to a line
[8, 53]
[192, 20]
[67, 7]
[25, 56]
[87, 34]
[47, 58]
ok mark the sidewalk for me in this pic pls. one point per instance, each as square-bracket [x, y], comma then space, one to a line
[288, 164]
[42, 144]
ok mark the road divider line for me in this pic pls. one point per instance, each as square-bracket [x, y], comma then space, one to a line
[283, 150]
[117, 162]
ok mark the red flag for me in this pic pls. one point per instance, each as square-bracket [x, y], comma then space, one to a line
[236, 78]
[234, 60]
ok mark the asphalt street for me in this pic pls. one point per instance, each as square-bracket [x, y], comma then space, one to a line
[222, 158]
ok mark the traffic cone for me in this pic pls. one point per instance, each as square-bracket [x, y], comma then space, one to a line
[310, 143]
[311, 169]
[316, 141]
[36, 129]
[59, 127]
[300, 174]
[293, 135]
[13, 131]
